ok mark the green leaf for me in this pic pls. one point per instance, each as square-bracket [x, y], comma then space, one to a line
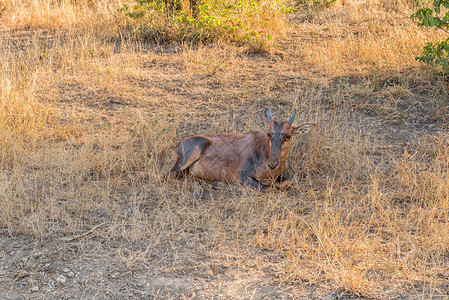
[436, 6]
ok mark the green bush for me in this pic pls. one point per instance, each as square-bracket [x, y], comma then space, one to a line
[435, 53]
[254, 22]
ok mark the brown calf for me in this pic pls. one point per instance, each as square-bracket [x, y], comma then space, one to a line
[255, 159]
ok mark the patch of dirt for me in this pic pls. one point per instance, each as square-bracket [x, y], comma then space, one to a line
[88, 269]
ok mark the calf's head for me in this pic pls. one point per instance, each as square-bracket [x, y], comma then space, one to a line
[280, 134]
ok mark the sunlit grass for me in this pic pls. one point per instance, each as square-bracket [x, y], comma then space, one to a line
[89, 118]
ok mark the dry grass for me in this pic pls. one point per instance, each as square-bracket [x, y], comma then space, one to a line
[88, 121]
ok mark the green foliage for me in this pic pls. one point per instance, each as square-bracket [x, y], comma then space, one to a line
[240, 21]
[434, 53]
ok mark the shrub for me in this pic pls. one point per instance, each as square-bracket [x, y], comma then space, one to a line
[258, 23]
[438, 53]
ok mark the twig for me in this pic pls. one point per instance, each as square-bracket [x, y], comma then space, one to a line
[71, 238]
[74, 237]
[118, 225]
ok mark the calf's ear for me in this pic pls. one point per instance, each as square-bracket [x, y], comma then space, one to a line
[304, 128]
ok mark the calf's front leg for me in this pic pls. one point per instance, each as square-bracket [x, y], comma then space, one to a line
[256, 185]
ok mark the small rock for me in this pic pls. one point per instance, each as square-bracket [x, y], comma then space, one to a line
[34, 288]
[68, 272]
[61, 279]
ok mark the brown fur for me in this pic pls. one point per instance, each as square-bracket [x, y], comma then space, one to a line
[238, 158]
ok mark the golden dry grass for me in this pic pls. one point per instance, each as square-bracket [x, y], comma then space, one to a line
[89, 119]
